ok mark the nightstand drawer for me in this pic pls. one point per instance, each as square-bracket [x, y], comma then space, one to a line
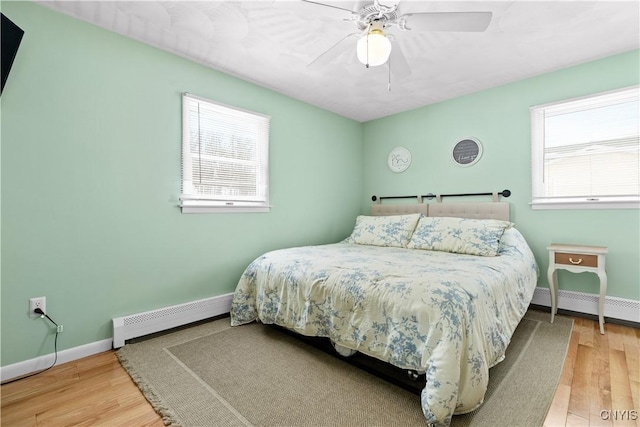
[583, 260]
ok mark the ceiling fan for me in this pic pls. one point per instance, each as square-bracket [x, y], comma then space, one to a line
[373, 20]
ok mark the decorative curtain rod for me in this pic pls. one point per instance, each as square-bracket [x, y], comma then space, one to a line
[503, 193]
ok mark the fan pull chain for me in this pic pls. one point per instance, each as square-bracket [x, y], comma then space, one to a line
[367, 64]
[389, 76]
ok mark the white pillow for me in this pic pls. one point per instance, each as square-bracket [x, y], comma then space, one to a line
[391, 230]
[459, 235]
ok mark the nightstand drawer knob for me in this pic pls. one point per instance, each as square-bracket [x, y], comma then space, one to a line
[575, 262]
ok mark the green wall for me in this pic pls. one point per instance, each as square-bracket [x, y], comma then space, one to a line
[91, 144]
[499, 118]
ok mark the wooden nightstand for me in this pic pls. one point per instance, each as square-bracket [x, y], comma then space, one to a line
[577, 259]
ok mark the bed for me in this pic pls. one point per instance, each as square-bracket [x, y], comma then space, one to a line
[436, 288]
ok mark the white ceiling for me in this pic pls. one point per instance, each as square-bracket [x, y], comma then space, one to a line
[271, 43]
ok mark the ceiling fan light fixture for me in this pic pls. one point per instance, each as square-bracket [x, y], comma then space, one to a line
[374, 48]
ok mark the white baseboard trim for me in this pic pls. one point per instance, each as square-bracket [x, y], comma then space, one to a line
[215, 306]
[580, 302]
[32, 365]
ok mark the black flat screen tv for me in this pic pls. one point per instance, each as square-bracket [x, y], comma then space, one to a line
[11, 38]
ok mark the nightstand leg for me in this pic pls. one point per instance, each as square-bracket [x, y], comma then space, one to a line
[603, 292]
[552, 277]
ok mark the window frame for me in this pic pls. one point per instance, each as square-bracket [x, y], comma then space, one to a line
[539, 200]
[190, 200]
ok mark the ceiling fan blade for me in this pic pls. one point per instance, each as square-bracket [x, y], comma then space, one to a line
[310, 8]
[336, 50]
[398, 62]
[328, 5]
[447, 21]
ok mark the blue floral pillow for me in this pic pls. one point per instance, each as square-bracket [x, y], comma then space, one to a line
[459, 235]
[392, 230]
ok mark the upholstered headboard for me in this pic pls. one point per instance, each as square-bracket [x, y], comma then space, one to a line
[382, 210]
[478, 210]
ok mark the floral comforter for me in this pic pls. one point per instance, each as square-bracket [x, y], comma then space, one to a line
[448, 315]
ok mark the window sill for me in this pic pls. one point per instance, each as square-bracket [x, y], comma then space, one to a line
[204, 207]
[584, 204]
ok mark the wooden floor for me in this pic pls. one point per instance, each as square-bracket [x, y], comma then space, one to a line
[600, 381]
[94, 391]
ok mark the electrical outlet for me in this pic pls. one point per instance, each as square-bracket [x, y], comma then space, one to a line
[40, 302]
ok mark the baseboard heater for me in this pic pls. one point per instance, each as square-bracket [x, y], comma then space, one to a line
[580, 302]
[149, 322]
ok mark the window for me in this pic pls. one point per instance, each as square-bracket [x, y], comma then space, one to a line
[225, 154]
[586, 152]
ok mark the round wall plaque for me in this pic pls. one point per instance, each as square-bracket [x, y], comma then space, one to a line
[399, 159]
[466, 152]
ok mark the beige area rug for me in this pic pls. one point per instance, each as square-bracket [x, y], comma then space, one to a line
[216, 375]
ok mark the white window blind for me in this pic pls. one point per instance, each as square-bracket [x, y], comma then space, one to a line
[225, 154]
[586, 152]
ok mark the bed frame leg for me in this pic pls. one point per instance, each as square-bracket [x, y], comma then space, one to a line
[413, 375]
